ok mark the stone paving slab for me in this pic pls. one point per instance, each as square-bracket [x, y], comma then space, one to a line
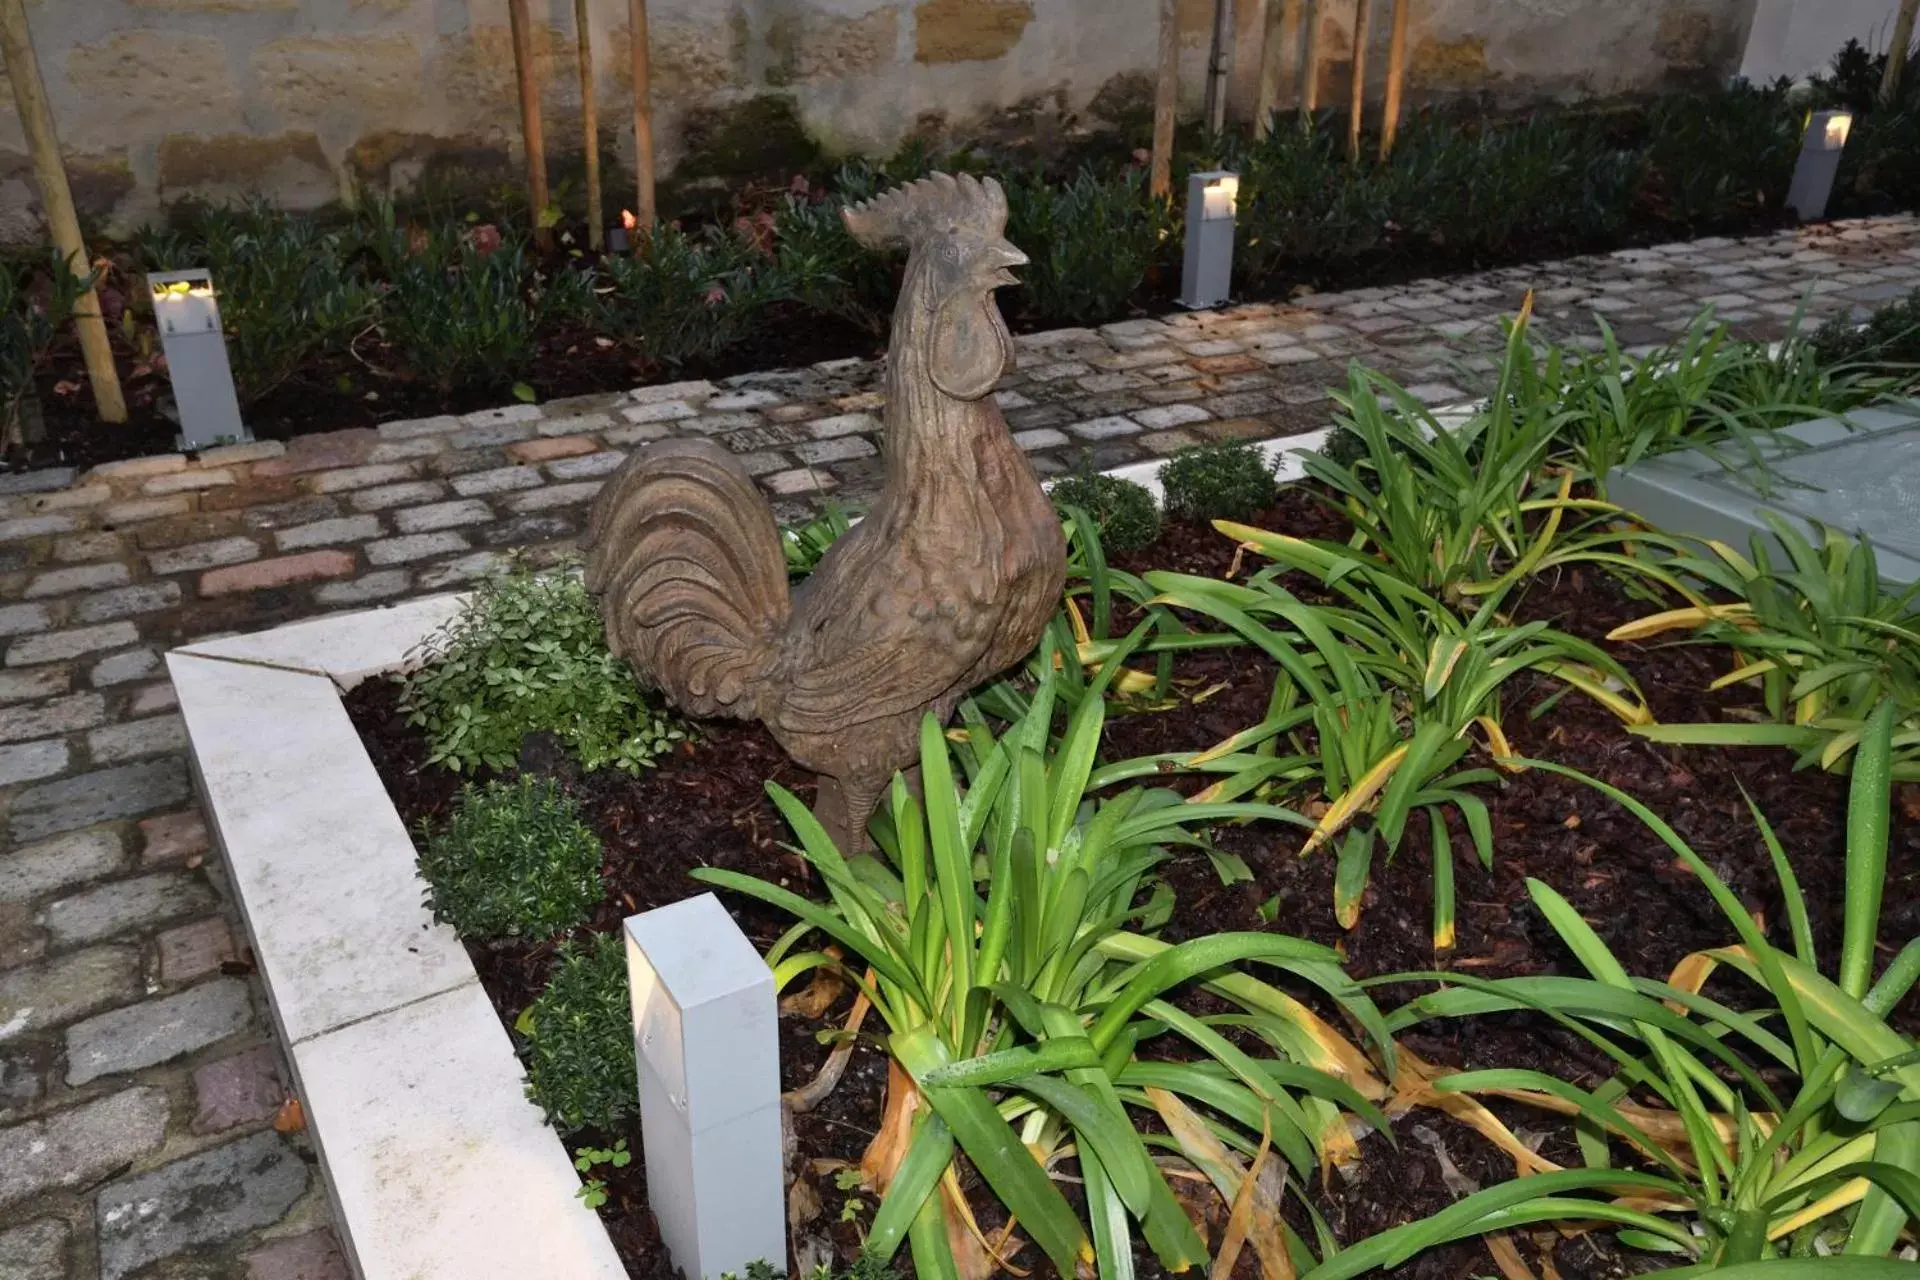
[132, 1042]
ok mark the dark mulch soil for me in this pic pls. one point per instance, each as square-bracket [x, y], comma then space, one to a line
[706, 806]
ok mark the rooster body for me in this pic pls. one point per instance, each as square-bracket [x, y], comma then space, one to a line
[950, 578]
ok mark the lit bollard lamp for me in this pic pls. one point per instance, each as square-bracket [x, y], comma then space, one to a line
[707, 1040]
[1819, 162]
[1206, 276]
[188, 317]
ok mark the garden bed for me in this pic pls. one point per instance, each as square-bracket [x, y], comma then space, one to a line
[704, 805]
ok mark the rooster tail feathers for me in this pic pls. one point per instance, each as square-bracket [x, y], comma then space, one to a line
[686, 562]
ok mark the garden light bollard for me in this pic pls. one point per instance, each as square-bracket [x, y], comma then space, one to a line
[1819, 162]
[706, 1031]
[188, 317]
[1206, 275]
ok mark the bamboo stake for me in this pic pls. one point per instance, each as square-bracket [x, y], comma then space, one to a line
[642, 120]
[590, 127]
[36, 120]
[1166, 100]
[536, 147]
[1362, 16]
[1897, 49]
[1217, 60]
[1310, 90]
[1396, 75]
[1279, 54]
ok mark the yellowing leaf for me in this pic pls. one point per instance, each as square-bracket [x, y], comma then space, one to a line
[1355, 800]
[1681, 620]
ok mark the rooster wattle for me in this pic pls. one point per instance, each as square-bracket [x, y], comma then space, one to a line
[950, 578]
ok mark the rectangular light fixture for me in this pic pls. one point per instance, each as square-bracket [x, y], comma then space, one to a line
[1819, 163]
[1206, 275]
[187, 314]
[707, 1043]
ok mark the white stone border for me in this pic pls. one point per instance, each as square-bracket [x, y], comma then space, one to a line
[438, 1166]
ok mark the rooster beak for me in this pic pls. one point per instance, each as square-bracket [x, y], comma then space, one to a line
[998, 258]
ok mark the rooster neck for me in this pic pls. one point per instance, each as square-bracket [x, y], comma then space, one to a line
[932, 439]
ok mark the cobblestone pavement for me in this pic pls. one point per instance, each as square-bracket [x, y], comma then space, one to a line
[139, 1078]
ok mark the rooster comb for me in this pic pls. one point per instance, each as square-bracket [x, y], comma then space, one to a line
[928, 208]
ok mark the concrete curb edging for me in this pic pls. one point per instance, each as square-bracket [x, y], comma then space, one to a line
[436, 1163]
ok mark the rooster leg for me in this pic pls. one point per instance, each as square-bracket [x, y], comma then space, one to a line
[843, 806]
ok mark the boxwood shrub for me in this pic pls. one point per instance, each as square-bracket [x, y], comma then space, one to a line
[1125, 513]
[514, 861]
[1228, 481]
[579, 1039]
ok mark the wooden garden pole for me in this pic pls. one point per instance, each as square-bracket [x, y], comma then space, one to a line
[529, 77]
[1279, 52]
[1396, 75]
[1362, 16]
[1310, 89]
[36, 120]
[589, 127]
[1217, 59]
[644, 210]
[1166, 100]
[1897, 49]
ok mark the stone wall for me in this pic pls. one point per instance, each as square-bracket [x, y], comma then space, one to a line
[157, 100]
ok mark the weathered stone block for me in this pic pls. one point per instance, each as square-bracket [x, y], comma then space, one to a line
[133, 739]
[194, 950]
[313, 1256]
[37, 1251]
[28, 761]
[41, 682]
[382, 584]
[547, 449]
[586, 466]
[203, 1199]
[559, 495]
[188, 482]
[419, 546]
[58, 646]
[126, 602]
[18, 619]
[327, 533]
[71, 1148]
[99, 913]
[172, 837]
[243, 1089]
[134, 664]
[263, 575]
[61, 715]
[444, 515]
[203, 555]
[81, 577]
[50, 865]
[361, 477]
[126, 791]
[380, 497]
[153, 1031]
[66, 987]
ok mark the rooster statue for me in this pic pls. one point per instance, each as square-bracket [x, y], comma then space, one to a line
[950, 578]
